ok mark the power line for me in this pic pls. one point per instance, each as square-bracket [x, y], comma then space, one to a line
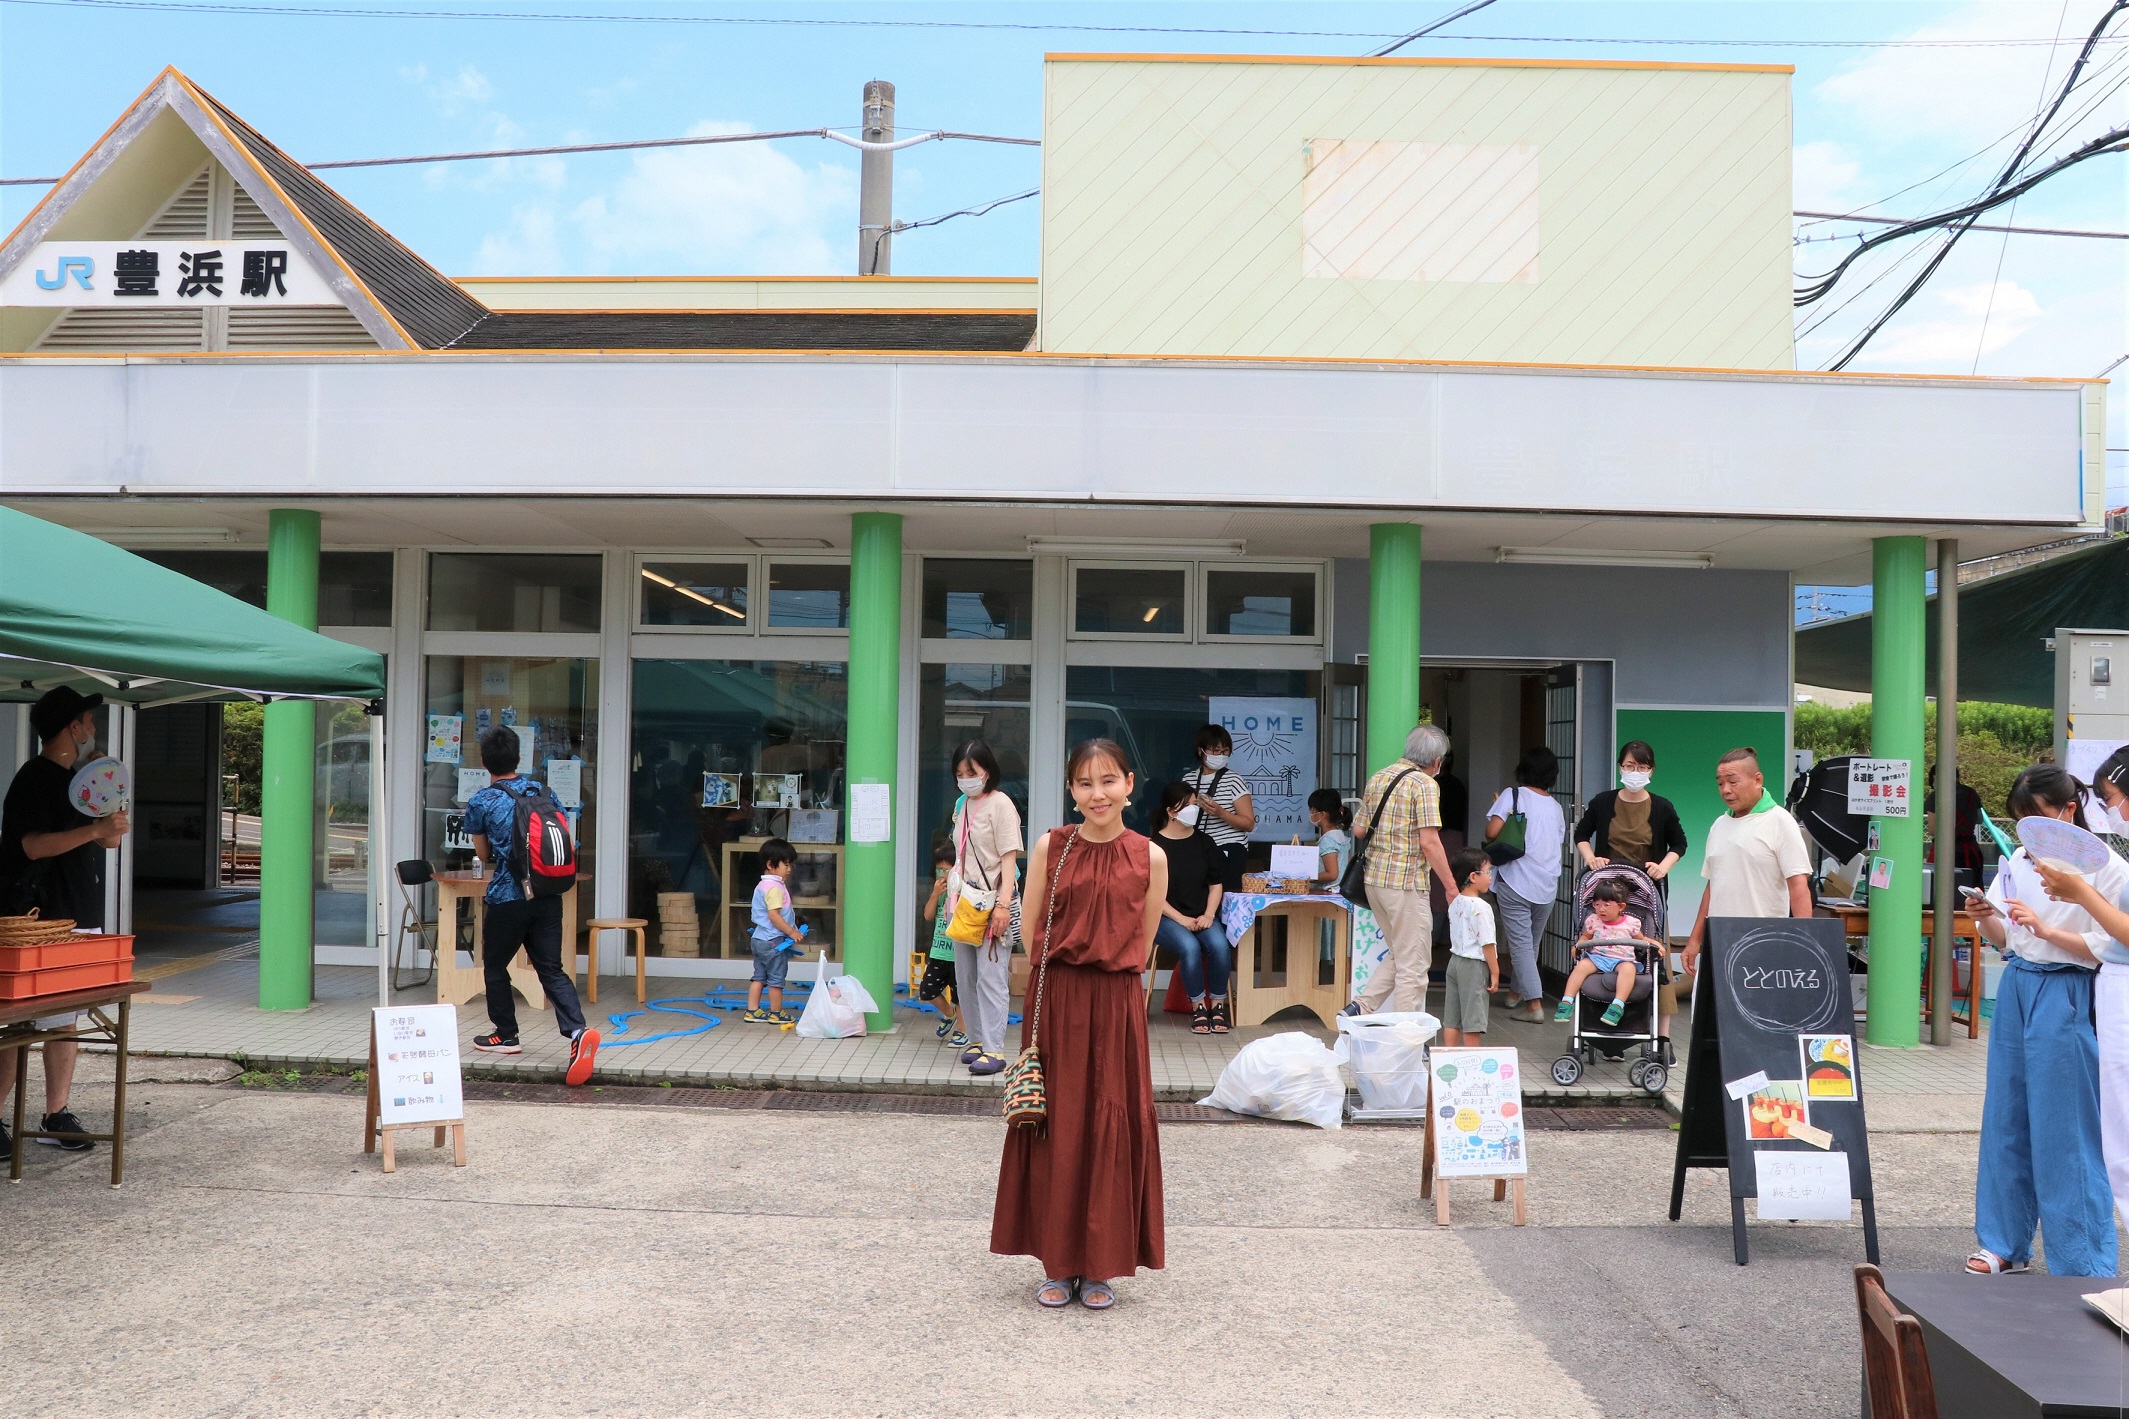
[688, 142]
[1977, 227]
[1393, 46]
[231, 7]
[966, 211]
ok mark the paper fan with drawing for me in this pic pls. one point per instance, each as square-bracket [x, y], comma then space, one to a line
[101, 787]
[2053, 841]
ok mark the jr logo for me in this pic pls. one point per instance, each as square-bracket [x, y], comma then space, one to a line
[79, 267]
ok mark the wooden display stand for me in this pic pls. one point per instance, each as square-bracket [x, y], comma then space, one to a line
[1438, 1187]
[1257, 998]
[461, 985]
[373, 1131]
[1483, 1089]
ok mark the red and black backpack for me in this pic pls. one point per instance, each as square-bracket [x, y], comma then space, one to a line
[544, 842]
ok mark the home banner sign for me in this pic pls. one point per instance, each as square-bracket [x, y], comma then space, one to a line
[196, 271]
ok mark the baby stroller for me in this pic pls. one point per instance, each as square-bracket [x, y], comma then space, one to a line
[1642, 1025]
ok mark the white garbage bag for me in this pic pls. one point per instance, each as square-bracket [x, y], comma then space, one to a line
[1291, 1076]
[837, 1007]
[1388, 1053]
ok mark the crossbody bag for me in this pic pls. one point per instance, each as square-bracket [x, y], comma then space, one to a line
[1027, 1097]
[1353, 884]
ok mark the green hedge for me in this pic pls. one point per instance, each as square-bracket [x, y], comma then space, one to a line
[1995, 740]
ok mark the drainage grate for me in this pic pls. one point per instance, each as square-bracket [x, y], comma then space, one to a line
[1599, 1119]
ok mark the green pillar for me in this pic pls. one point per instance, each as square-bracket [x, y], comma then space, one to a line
[875, 689]
[288, 777]
[1898, 626]
[1393, 639]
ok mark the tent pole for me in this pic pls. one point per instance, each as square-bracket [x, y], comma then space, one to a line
[1945, 896]
[380, 857]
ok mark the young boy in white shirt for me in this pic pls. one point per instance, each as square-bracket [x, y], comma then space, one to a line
[1474, 968]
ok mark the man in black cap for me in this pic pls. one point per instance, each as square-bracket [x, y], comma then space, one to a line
[51, 858]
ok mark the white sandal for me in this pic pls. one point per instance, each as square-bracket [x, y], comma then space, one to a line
[1983, 1262]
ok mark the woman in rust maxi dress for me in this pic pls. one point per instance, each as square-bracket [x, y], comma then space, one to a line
[1084, 1194]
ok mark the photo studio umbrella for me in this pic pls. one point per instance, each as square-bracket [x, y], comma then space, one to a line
[1819, 800]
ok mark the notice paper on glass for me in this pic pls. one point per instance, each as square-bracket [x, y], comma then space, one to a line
[527, 737]
[871, 816]
[444, 732]
[470, 782]
[417, 1064]
[1804, 1187]
[565, 778]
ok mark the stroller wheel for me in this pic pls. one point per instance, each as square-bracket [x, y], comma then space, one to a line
[1655, 1077]
[1636, 1071]
[1566, 1070]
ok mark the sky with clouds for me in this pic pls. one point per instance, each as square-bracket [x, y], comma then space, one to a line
[1909, 126]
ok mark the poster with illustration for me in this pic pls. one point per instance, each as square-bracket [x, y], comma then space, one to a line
[1275, 753]
[1773, 1108]
[1478, 1114]
[470, 782]
[720, 790]
[1829, 1067]
[444, 733]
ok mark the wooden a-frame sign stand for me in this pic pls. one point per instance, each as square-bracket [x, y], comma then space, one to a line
[373, 1131]
[1431, 1185]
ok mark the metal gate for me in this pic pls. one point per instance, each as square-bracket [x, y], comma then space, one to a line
[1563, 735]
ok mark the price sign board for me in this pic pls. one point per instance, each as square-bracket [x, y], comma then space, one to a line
[1878, 787]
[417, 1076]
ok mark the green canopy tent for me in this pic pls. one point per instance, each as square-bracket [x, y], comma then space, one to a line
[2004, 626]
[75, 610]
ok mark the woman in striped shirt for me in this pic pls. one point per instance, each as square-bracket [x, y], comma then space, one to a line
[1224, 810]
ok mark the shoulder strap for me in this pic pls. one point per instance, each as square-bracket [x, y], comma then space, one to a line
[1049, 935]
[1376, 821]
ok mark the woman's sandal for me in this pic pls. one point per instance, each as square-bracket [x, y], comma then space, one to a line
[1200, 1018]
[1066, 1291]
[1223, 1015]
[1984, 1262]
[1096, 1295]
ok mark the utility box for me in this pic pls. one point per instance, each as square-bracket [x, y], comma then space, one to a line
[2091, 697]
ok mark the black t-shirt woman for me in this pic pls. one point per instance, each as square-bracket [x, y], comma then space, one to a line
[1190, 917]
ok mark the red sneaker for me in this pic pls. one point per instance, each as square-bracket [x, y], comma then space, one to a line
[582, 1050]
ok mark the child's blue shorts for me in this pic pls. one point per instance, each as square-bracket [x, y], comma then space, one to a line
[771, 961]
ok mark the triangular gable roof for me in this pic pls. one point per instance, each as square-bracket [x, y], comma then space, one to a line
[402, 301]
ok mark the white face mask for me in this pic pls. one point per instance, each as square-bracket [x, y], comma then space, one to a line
[83, 747]
[973, 787]
[1635, 779]
[1215, 761]
[1188, 817]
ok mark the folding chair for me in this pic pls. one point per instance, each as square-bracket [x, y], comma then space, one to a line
[1896, 1374]
[414, 874]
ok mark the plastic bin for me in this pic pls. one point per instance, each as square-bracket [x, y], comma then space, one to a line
[80, 949]
[27, 985]
[1388, 1053]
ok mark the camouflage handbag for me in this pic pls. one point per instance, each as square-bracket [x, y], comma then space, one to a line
[1027, 1098]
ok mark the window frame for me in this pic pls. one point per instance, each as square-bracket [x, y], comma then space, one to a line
[1071, 608]
[1313, 570]
[924, 561]
[765, 574]
[747, 627]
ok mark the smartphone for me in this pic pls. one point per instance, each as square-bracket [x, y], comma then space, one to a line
[1972, 894]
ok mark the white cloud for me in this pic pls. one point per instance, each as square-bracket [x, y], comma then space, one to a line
[1952, 324]
[733, 207]
[1825, 178]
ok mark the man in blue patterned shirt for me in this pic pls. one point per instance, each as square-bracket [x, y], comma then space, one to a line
[514, 919]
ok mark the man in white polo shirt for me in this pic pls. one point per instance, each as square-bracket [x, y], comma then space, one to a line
[1757, 862]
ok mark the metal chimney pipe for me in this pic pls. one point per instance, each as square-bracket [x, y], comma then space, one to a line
[876, 183]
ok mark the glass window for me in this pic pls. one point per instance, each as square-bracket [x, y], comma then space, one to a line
[723, 755]
[809, 596]
[513, 591]
[958, 703]
[695, 594]
[1146, 601]
[1155, 713]
[340, 896]
[978, 600]
[553, 702]
[1260, 603]
[354, 588]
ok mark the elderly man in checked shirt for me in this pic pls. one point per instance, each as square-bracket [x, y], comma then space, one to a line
[1403, 845]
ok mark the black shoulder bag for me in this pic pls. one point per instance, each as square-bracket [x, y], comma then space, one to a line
[1353, 883]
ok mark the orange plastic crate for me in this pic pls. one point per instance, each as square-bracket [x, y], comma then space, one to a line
[81, 949]
[27, 985]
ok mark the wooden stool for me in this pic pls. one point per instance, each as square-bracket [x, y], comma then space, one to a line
[591, 966]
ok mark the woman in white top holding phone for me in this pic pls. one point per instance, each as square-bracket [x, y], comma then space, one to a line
[2042, 1157]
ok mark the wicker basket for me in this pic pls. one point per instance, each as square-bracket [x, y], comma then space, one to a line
[1259, 882]
[33, 930]
[1295, 886]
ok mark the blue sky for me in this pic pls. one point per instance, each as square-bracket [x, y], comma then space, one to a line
[1870, 121]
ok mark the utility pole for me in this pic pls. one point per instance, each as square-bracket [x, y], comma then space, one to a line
[876, 183]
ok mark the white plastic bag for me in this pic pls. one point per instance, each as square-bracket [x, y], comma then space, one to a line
[1388, 1053]
[1291, 1076]
[837, 1007]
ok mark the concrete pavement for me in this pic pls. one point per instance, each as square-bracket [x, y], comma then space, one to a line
[600, 1259]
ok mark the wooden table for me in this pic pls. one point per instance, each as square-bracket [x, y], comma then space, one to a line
[461, 985]
[18, 1029]
[1262, 992]
[1855, 921]
[2010, 1346]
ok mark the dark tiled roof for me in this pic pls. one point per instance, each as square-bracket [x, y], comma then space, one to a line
[428, 305]
[751, 330]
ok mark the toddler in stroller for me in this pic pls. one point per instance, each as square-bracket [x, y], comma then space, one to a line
[1611, 992]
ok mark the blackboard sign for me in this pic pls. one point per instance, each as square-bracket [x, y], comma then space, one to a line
[1773, 1074]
